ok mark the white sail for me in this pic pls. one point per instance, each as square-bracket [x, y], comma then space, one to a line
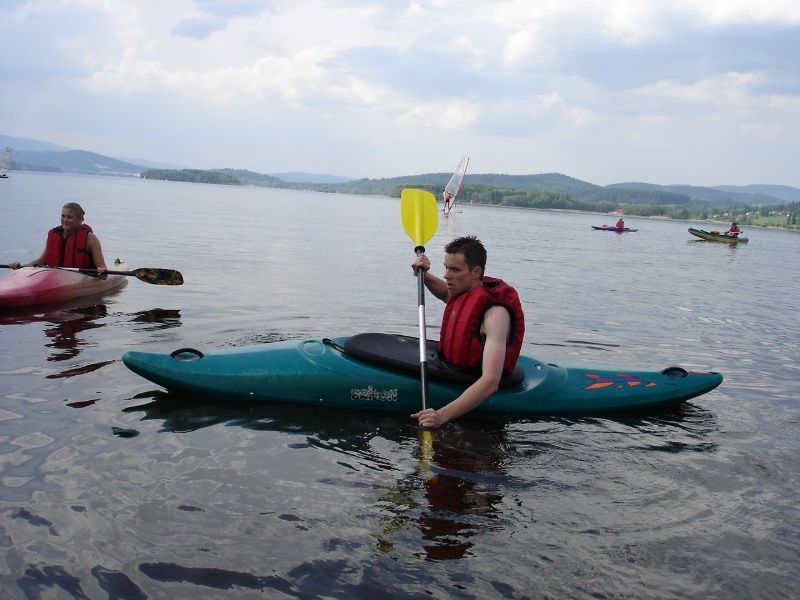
[5, 162]
[453, 186]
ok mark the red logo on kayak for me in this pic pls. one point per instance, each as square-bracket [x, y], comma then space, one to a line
[620, 381]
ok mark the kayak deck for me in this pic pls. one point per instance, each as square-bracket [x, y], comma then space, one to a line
[320, 372]
[31, 286]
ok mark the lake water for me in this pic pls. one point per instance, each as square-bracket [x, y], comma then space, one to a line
[111, 488]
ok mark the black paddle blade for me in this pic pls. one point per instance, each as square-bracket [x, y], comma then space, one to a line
[158, 276]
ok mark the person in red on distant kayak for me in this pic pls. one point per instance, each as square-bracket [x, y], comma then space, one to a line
[71, 245]
[620, 224]
[734, 231]
[482, 328]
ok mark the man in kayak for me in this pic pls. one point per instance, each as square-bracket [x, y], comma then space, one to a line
[733, 231]
[482, 327]
[71, 245]
[620, 224]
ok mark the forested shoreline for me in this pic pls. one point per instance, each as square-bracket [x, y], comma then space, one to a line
[559, 193]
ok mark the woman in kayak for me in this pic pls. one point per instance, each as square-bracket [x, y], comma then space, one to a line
[70, 245]
[482, 327]
[620, 224]
[733, 231]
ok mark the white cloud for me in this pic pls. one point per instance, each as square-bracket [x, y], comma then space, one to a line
[480, 71]
[575, 115]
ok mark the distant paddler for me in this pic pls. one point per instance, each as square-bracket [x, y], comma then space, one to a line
[734, 231]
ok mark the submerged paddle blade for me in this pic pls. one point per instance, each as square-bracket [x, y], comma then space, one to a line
[420, 215]
[158, 276]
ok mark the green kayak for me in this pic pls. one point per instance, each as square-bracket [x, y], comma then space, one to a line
[381, 372]
[716, 236]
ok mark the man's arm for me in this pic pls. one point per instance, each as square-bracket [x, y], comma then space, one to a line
[496, 324]
[436, 286]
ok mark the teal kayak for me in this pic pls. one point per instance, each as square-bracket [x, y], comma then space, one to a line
[381, 372]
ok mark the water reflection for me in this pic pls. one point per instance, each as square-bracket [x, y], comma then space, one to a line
[157, 318]
[63, 326]
[455, 496]
[463, 489]
[732, 246]
[455, 492]
[67, 324]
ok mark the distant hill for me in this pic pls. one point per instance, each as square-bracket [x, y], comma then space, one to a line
[18, 143]
[782, 192]
[37, 155]
[552, 183]
[74, 161]
[718, 195]
[150, 164]
[246, 177]
[300, 177]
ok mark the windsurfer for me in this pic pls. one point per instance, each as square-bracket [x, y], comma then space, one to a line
[447, 198]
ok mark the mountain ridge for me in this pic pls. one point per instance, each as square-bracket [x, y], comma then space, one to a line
[30, 154]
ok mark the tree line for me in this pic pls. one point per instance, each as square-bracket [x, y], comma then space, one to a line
[586, 197]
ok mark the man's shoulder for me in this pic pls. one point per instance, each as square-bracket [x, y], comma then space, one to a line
[497, 314]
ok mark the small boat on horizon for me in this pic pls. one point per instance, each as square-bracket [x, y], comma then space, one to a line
[617, 229]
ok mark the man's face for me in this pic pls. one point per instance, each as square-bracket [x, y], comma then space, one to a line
[458, 276]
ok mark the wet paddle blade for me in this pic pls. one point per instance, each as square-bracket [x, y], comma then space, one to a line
[419, 214]
[156, 276]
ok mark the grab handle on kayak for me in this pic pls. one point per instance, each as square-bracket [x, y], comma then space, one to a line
[187, 354]
[332, 344]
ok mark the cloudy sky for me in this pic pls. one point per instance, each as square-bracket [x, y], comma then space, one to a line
[676, 91]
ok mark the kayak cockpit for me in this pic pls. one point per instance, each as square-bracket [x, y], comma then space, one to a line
[401, 353]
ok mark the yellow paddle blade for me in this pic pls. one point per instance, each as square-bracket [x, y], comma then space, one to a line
[425, 450]
[420, 215]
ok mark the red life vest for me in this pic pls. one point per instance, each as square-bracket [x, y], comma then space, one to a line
[71, 252]
[460, 337]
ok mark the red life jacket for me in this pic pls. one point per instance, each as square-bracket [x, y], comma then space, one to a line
[460, 337]
[71, 252]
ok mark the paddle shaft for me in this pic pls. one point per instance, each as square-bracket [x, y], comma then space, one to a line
[423, 359]
[146, 274]
[419, 214]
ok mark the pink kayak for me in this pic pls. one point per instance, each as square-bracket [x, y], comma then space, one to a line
[30, 286]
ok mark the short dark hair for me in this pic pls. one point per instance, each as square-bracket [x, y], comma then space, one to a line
[472, 249]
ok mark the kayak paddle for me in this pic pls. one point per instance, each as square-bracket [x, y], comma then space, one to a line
[146, 274]
[420, 219]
